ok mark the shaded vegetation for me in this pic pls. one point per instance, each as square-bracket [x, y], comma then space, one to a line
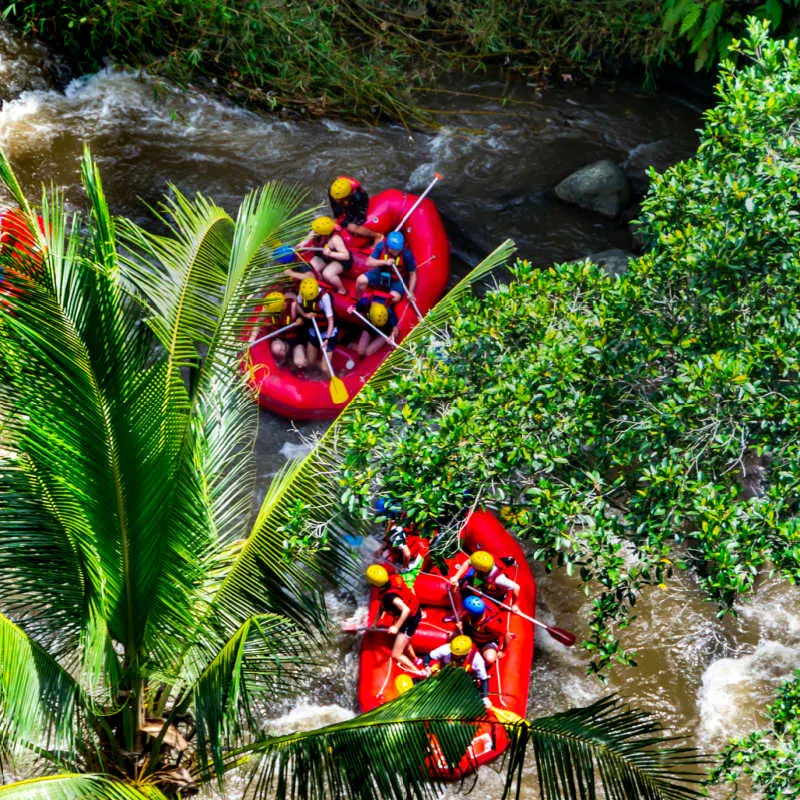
[369, 58]
[629, 426]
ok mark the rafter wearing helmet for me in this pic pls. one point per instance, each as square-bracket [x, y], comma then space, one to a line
[313, 303]
[399, 602]
[349, 204]
[462, 652]
[390, 257]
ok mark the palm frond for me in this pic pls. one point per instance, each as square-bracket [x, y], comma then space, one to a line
[78, 787]
[310, 489]
[267, 657]
[620, 748]
[39, 700]
[381, 755]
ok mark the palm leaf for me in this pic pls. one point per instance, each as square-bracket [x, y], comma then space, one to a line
[39, 700]
[78, 787]
[267, 657]
[380, 755]
[309, 489]
[621, 749]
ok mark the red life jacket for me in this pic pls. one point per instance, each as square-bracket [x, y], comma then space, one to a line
[487, 583]
[488, 629]
[397, 586]
[468, 659]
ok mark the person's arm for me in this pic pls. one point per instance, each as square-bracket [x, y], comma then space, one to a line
[336, 249]
[404, 612]
[460, 573]
[375, 258]
[362, 230]
[504, 582]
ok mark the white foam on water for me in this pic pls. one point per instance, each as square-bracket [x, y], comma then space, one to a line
[292, 451]
[735, 691]
[307, 716]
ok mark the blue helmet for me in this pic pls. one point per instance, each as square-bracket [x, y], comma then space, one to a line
[474, 605]
[284, 254]
[385, 506]
[395, 241]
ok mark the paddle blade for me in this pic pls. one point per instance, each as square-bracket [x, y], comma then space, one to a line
[560, 635]
[505, 717]
[339, 393]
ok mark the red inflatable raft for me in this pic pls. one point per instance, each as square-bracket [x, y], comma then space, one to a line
[296, 396]
[16, 239]
[508, 678]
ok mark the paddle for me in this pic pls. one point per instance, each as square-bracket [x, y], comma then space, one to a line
[275, 333]
[559, 634]
[505, 717]
[380, 333]
[338, 390]
[405, 289]
[436, 177]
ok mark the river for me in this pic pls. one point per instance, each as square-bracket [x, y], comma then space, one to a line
[500, 149]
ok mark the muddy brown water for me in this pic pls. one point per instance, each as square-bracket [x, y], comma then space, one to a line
[501, 150]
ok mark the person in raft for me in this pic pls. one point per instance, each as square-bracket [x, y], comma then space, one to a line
[484, 627]
[399, 601]
[313, 303]
[482, 574]
[276, 314]
[462, 652]
[331, 257]
[403, 546]
[389, 254]
[349, 203]
[383, 319]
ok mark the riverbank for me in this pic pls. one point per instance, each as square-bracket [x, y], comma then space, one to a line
[366, 61]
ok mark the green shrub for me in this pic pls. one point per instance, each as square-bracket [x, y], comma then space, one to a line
[628, 426]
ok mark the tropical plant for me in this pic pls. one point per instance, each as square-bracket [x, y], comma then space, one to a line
[147, 625]
[626, 426]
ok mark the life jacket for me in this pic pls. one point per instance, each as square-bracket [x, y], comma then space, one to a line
[399, 263]
[485, 583]
[314, 307]
[397, 586]
[487, 630]
[469, 658]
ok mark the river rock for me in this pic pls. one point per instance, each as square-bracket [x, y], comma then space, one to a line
[613, 261]
[602, 187]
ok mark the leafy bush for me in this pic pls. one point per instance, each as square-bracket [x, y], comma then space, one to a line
[709, 26]
[628, 426]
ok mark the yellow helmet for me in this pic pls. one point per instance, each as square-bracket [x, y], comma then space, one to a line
[482, 561]
[378, 314]
[377, 575]
[323, 226]
[340, 189]
[274, 303]
[403, 683]
[309, 289]
[460, 646]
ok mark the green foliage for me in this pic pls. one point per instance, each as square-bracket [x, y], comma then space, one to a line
[628, 426]
[708, 26]
[365, 58]
[145, 625]
[769, 759]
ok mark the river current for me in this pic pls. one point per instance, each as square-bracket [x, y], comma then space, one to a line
[500, 149]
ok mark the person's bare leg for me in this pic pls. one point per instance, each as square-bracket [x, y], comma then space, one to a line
[331, 274]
